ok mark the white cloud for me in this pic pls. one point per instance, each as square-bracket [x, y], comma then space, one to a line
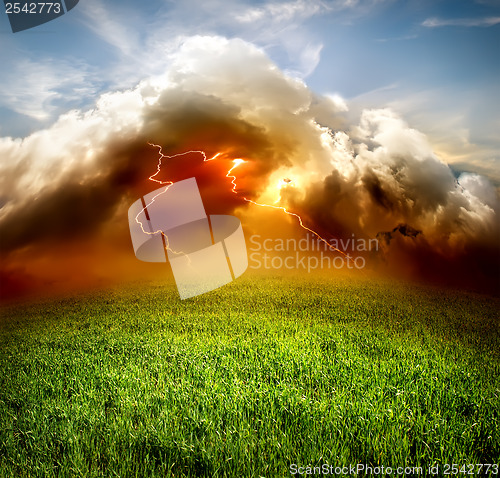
[34, 88]
[281, 12]
[461, 22]
[117, 27]
[339, 104]
[480, 187]
[68, 148]
[142, 45]
[458, 133]
[401, 38]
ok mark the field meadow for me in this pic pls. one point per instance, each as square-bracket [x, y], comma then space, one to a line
[249, 379]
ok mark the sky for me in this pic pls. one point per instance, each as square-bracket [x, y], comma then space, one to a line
[435, 62]
[378, 105]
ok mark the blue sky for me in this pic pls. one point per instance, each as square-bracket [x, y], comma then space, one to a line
[436, 63]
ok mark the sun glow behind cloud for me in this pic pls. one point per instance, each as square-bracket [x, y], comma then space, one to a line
[72, 183]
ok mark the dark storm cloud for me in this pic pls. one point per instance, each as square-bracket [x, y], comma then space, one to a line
[78, 177]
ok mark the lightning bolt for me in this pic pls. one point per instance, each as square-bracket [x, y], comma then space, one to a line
[168, 184]
[239, 161]
[236, 162]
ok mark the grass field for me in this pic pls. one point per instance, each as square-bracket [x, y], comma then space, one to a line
[249, 379]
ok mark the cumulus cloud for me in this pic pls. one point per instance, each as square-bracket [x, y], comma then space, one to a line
[394, 177]
[74, 181]
[480, 187]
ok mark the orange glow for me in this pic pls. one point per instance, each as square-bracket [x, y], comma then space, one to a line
[236, 162]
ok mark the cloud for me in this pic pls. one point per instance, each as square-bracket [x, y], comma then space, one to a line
[35, 89]
[281, 12]
[462, 133]
[461, 22]
[138, 41]
[72, 183]
[116, 26]
[401, 38]
[394, 177]
[479, 187]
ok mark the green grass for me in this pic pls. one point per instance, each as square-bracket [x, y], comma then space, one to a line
[248, 379]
